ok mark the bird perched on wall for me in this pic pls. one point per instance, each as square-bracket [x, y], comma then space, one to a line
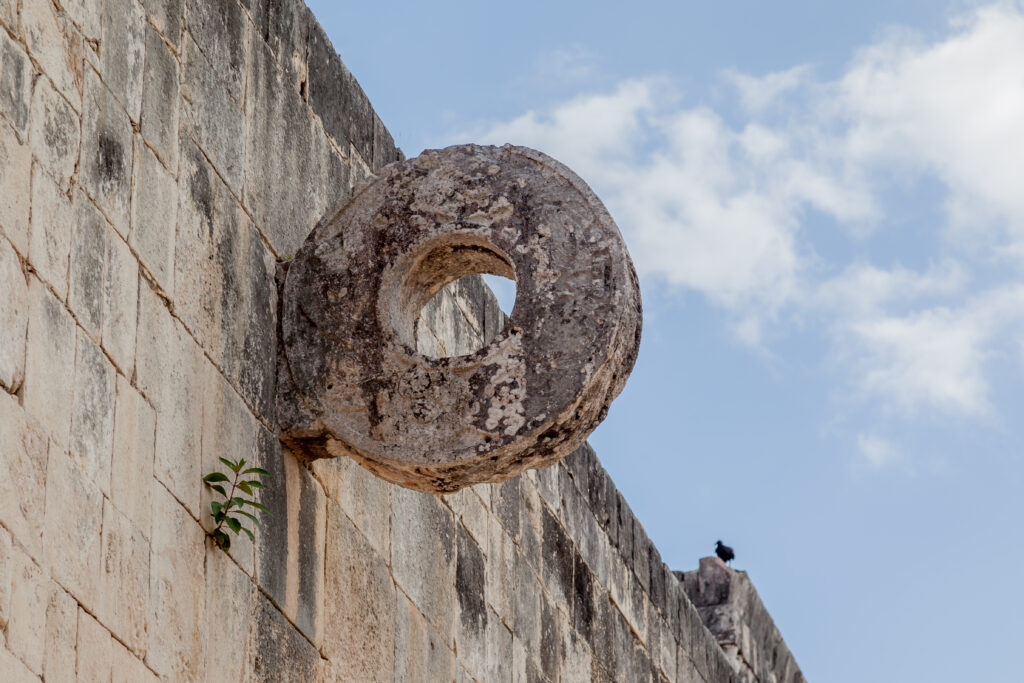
[724, 552]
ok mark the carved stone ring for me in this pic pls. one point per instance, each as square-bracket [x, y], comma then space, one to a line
[350, 381]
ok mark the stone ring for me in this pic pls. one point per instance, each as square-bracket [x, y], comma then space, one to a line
[350, 381]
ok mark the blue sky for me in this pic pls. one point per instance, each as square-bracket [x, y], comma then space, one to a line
[824, 202]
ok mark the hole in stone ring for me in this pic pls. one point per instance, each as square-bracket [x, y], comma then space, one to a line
[440, 304]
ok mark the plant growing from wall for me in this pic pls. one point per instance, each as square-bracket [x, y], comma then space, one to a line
[229, 512]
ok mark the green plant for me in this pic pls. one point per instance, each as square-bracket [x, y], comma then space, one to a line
[227, 513]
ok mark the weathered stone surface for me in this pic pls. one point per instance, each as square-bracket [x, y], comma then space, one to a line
[421, 653]
[154, 218]
[56, 45]
[364, 498]
[85, 14]
[6, 570]
[49, 363]
[123, 52]
[92, 413]
[124, 580]
[50, 238]
[55, 134]
[94, 650]
[220, 29]
[176, 591]
[74, 519]
[23, 461]
[61, 635]
[120, 301]
[525, 400]
[26, 628]
[167, 16]
[105, 168]
[132, 461]
[470, 578]
[9, 14]
[230, 597]
[15, 85]
[85, 278]
[277, 652]
[161, 90]
[359, 627]
[15, 188]
[126, 668]
[13, 318]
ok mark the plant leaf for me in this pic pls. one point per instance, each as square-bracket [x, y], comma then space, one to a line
[215, 476]
[257, 470]
[222, 540]
[234, 524]
[249, 534]
[253, 483]
[231, 465]
[215, 506]
[244, 485]
[257, 506]
[250, 516]
[219, 489]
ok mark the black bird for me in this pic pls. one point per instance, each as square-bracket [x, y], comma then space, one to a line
[724, 552]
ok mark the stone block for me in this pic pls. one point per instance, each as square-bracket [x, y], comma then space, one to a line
[359, 624]
[336, 97]
[15, 85]
[549, 654]
[160, 93]
[584, 609]
[576, 658]
[23, 462]
[50, 232]
[124, 580]
[55, 133]
[423, 555]
[284, 26]
[230, 597]
[166, 16]
[123, 53]
[154, 217]
[384, 150]
[421, 653]
[13, 318]
[105, 168]
[49, 362]
[500, 568]
[92, 413]
[177, 607]
[471, 511]
[9, 15]
[211, 117]
[526, 598]
[85, 14]
[364, 497]
[220, 29]
[94, 650]
[14, 670]
[120, 302]
[74, 518]
[6, 573]
[499, 650]
[229, 432]
[61, 635]
[126, 668]
[642, 549]
[224, 289]
[132, 460]
[557, 560]
[169, 366]
[277, 652]
[26, 628]
[85, 278]
[470, 580]
[15, 187]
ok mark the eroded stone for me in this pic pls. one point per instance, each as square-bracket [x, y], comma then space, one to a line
[350, 380]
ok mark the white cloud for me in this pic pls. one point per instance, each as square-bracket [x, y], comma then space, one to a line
[876, 452]
[720, 208]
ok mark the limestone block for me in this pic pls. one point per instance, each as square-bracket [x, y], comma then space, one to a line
[124, 583]
[525, 400]
[230, 597]
[23, 462]
[421, 653]
[50, 232]
[229, 431]
[55, 134]
[576, 659]
[85, 14]
[120, 301]
[558, 557]
[15, 85]
[13, 318]
[500, 569]
[642, 549]
[26, 628]
[160, 93]
[284, 25]
[167, 16]
[74, 518]
[526, 598]
[277, 652]
[472, 512]
[470, 579]
[105, 170]
[223, 285]
[15, 187]
[88, 249]
[14, 670]
[359, 623]
[126, 668]
[92, 416]
[499, 650]
[211, 116]
[220, 29]
[6, 572]
[176, 591]
[282, 175]
[584, 609]
[169, 367]
[423, 555]
[364, 498]
[94, 650]
[123, 53]
[549, 654]
[9, 14]
[61, 635]
[154, 217]
[132, 460]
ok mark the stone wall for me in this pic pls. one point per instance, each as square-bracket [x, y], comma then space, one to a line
[157, 158]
